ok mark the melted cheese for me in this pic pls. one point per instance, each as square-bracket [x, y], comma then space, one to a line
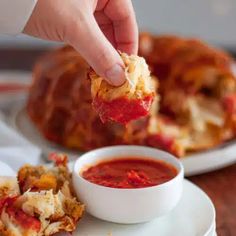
[138, 83]
[204, 112]
[8, 186]
[44, 203]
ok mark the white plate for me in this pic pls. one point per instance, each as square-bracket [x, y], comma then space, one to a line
[194, 164]
[6, 170]
[194, 216]
[213, 230]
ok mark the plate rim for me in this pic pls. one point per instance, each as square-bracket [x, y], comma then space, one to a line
[191, 163]
[188, 184]
[210, 202]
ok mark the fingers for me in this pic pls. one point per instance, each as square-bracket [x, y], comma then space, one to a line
[74, 23]
[106, 26]
[122, 15]
[86, 37]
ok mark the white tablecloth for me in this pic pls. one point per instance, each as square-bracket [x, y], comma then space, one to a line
[15, 151]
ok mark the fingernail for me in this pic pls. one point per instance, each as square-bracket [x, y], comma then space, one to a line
[115, 75]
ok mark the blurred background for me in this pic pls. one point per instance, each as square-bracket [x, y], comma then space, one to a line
[211, 20]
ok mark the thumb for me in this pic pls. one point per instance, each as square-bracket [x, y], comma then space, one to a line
[92, 44]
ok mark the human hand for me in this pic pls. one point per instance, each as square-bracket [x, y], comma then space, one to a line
[95, 28]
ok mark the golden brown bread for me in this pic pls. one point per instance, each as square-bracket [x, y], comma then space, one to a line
[195, 80]
[131, 100]
[196, 109]
[42, 204]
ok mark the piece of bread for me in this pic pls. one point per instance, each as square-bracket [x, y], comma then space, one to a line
[42, 205]
[129, 101]
[59, 103]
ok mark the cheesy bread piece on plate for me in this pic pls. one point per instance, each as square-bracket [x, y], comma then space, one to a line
[42, 204]
[129, 101]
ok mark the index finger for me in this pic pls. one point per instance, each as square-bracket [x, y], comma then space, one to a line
[122, 15]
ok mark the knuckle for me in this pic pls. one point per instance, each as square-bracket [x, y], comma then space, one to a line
[105, 58]
[74, 27]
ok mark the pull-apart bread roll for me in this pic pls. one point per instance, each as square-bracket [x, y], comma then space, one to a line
[129, 101]
[40, 203]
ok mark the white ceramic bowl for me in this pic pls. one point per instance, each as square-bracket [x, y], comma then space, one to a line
[127, 205]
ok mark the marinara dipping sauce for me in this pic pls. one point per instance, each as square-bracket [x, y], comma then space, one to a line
[130, 173]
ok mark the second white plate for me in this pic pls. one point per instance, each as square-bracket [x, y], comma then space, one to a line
[193, 216]
[195, 164]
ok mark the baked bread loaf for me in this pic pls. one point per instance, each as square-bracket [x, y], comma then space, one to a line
[196, 82]
[195, 108]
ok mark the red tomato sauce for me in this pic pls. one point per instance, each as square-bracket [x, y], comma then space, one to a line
[122, 110]
[130, 173]
[20, 217]
[229, 103]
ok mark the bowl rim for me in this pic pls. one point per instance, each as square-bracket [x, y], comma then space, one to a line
[180, 174]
